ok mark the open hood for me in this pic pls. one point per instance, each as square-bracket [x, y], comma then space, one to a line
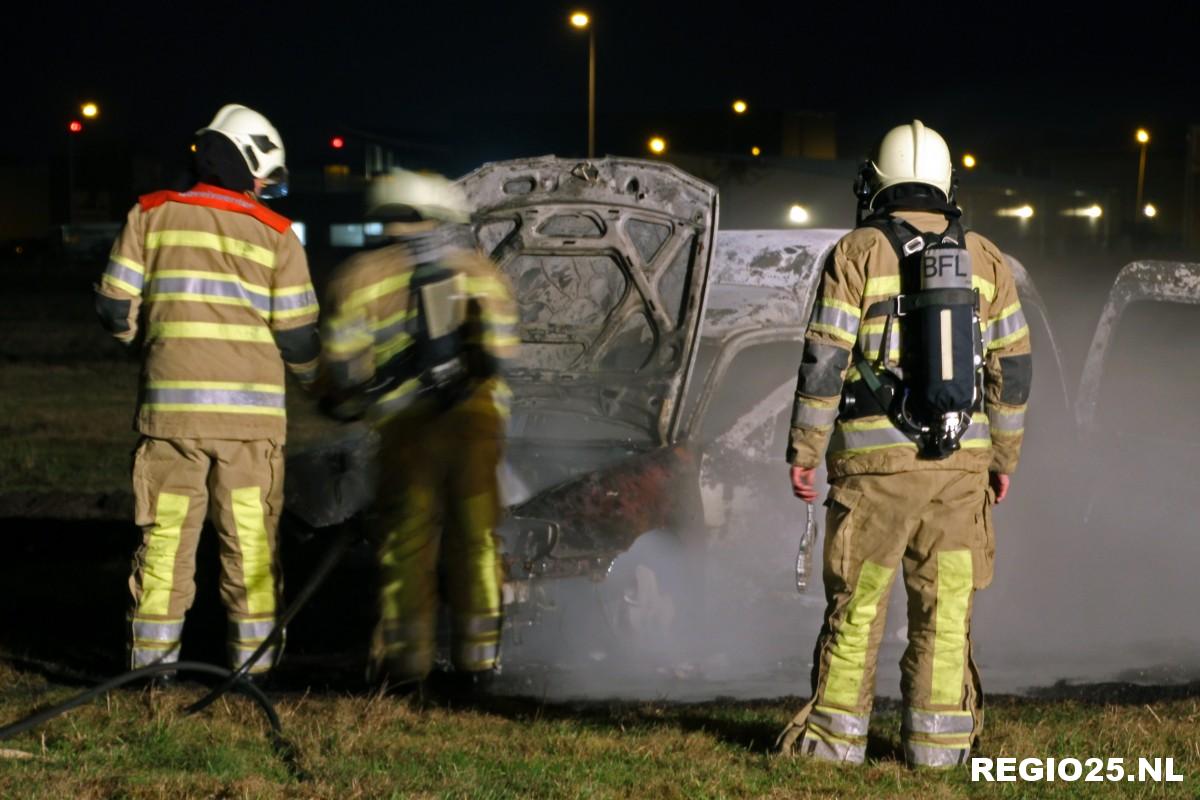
[609, 260]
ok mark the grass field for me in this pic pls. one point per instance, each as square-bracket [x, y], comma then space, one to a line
[137, 744]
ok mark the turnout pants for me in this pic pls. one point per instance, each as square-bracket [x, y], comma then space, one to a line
[937, 526]
[439, 502]
[176, 483]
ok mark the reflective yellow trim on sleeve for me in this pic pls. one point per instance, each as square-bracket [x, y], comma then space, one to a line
[257, 579]
[292, 313]
[1005, 341]
[225, 385]
[215, 408]
[833, 330]
[360, 297]
[210, 330]
[387, 322]
[885, 286]
[287, 291]
[851, 638]
[211, 241]
[117, 283]
[486, 286]
[833, 302]
[986, 288]
[128, 263]
[158, 567]
[954, 586]
[1006, 313]
[500, 318]
[387, 350]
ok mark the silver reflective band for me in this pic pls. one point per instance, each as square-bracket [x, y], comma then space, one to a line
[813, 747]
[147, 656]
[477, 654]
[1005, 422]
[289, 302]
[979, 431]
[221, 397]
[240, 655]
[478, 625]
[930, 722]
[807, 416]
[839, 722]
[251, 631]
[932, 756]
[848, 437]
[152, 631]
[125, 274]
[213, 288]
[836, 317]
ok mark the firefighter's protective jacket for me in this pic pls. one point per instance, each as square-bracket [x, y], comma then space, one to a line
[219, 287]
[370, 318]
[862, 270]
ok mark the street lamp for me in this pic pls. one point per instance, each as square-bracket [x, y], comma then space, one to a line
[740, 107]
[90, 110]
[657, 145]
[1143, 139]
[969, 161]
[580, 20]
[756, 151]
[1150, 211]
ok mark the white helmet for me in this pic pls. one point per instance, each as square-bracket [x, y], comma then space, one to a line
[911, 154]
[432, 196]
[258, 142]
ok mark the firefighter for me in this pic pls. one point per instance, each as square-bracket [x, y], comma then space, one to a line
[416, 337]
[911, 311]
[218, 287]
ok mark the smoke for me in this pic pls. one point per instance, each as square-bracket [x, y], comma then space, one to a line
[1097, 545]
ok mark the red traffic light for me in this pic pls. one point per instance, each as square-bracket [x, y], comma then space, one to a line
[337, 143]
[75, 127]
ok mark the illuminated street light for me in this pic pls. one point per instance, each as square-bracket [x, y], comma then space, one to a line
[756, 151]
[657, 145]
[1143, 136]
[90, 110]
[1021, 212]
[1093, 211]
[740, 107]
[1150, 211]
[969, 161]
[193, 147]
[798, 215]
[580, 20]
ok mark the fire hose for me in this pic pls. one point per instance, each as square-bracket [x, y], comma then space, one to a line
[236, 680]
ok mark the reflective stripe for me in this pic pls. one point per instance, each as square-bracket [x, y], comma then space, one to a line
[884, 286]
[871, 338]
[486, 286]
[986, 288]
[829, 748]
[387, 349]
[158, 568]
[293, 301]
[922, 754]
[213, 408]
[146, 656]
[123, 276]
[250, 630]
[210, 276]
[360, 297]
[479, 514]
[145, 630]
[836, 318]
[811, 414]
[848, 654]
[306, 373]
[128, 263]
[954, 586]
[1006, 421]
[474, 657]
[978, 435]
[210, 330]
[347, 335]
[396, 400]
[252, 399]
[256, 549]
[478, 626]
[212, 241]
[240, 655]
[839, 722]
[207, 290]
[865, 436]
[832, 330]
[934, 722]
[1007, 328]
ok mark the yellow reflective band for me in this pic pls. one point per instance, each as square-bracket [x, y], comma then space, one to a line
[479, 515]
[848, 655]
[497, 340]
[485, 285]
[1006, 313]
[288, 291]
[215, 408]
[825, 736]
[210, 330]
[117, 283]
[212, 241]
[886, 285]
[225, 385]
[954, 585]
[128, 263]
[985, 287]
[868, 424]
[975, 444]
[387, 350]
[833, 302]
[158, 569]
[388, 322]
[407, 387]
[1005, 341]
[500, 318]
[256, 550]
[361, 297]
[295, 312]
[211, 276]
[832, 330]
[817, 403]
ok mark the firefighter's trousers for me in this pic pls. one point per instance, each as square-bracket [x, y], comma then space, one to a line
[936, 525]
[439, 502]
[176, 482]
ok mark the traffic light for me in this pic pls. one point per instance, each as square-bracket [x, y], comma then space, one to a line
[75, 127]
[337, 142]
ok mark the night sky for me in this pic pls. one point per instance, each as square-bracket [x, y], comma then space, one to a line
[496, 80]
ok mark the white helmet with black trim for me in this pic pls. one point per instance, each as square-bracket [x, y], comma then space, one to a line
[428, 195]
[909, 153]
[259, 144]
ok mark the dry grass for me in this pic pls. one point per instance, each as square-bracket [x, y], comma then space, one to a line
[138, 745]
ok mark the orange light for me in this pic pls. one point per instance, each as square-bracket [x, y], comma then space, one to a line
[740, 107]
[756, 151]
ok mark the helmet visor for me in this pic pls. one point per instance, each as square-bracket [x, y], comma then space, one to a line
[277, 185]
